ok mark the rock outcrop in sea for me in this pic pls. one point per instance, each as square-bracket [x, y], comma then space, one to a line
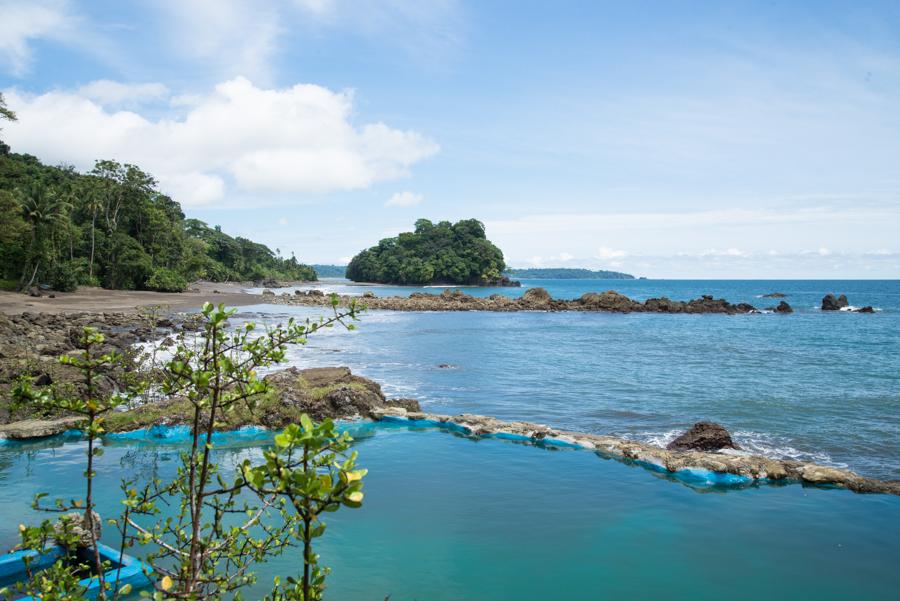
[534, 299]
[703, 436]
[832, 303]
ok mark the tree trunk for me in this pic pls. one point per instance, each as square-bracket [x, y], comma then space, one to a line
[93, 222]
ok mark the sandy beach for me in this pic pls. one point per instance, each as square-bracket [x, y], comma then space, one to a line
[99, 299]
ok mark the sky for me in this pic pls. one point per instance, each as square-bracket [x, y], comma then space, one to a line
[673, 139]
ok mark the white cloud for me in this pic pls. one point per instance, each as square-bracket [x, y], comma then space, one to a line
[604, 253]
[404, 199]
[237, 140]
[22, 22]
[114, 93]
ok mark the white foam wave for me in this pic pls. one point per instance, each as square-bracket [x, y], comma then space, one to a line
[752, 443]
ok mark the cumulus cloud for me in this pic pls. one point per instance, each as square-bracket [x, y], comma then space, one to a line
[404, 199]
[22, 22]
[237, 140]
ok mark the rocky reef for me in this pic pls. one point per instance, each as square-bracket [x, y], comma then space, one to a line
[534, 299]
[31, 344]
[724, 461]
[325, 392]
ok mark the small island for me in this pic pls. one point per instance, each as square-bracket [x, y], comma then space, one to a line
[435, 253]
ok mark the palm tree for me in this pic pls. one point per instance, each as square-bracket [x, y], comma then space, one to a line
[43, 209]
[93, 203]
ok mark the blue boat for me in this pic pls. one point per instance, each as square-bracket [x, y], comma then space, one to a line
[128, 570]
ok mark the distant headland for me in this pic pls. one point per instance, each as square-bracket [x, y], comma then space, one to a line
[566, 273]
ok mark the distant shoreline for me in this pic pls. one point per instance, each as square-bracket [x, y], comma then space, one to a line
[91, 300]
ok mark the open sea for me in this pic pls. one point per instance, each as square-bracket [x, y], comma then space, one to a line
[813, 385]
[447, 518]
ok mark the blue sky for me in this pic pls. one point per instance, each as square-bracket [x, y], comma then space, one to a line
[667, 139]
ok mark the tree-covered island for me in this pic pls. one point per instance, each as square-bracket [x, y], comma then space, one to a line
[435, 253]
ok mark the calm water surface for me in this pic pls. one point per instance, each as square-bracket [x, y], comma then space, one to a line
[447, 518]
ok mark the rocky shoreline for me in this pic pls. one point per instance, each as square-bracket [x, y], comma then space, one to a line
[534, 299]
[339, 394]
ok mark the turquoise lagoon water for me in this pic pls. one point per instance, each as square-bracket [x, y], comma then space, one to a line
[814, 385]
[448, 518]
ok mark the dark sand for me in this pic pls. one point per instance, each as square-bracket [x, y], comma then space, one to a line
[99, 300]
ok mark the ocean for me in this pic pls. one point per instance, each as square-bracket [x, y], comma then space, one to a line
[813, 385]
[449, 518]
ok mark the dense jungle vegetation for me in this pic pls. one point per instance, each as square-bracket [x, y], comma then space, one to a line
[113, 227]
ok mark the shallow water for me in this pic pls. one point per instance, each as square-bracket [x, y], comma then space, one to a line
[448, 518]
[822, 386]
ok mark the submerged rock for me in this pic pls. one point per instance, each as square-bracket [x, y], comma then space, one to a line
[832, 303]
[774, 295]
[703, 436]
[866, 309]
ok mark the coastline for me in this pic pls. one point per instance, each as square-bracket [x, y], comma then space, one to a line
[98, 300]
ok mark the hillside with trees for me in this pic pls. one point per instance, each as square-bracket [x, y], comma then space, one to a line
[113, 227]
[435, 253]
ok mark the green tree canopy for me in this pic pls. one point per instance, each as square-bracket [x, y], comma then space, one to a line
[443, 252]
[113, 227]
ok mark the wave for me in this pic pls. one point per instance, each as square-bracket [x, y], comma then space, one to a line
[751, 443]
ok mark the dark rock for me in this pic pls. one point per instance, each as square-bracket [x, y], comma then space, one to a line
[268, 292]
[325, 392]
[703, 436]
[832, 303]
[445, 366]
[866, 309]
[537, 296]
[783, 307]
[607, 301]
[774, 295]
[370, 294]
[35, 292]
